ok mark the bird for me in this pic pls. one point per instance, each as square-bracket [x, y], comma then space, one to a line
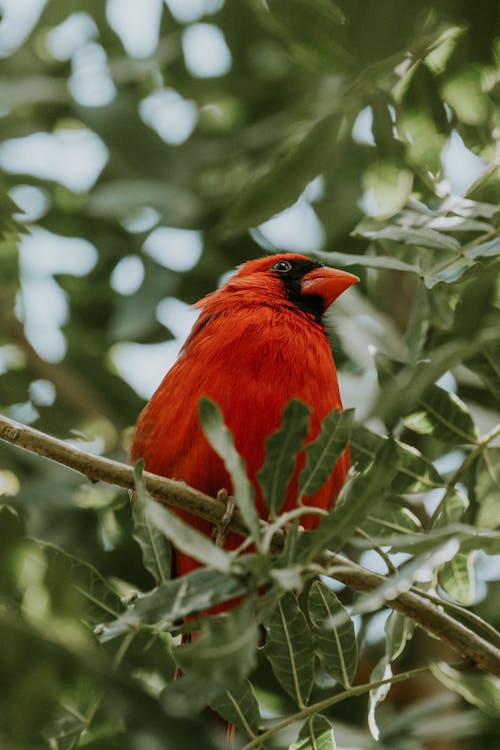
[259, 341]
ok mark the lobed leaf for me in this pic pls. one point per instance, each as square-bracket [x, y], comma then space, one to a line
[357, 495]
[323, 453]
[281, 455]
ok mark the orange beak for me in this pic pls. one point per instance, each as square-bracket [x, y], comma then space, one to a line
[327, 283]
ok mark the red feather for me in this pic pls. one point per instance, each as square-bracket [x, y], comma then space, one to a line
[253, 348]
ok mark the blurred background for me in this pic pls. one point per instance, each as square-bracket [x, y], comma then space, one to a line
[147, 148]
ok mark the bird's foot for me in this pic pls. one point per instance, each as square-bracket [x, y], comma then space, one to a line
[220, 530]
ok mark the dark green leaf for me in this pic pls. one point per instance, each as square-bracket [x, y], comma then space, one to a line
[323, 453]
[335, 645]
[280, 185]
[238, 705]
[357, 494]
[313, 30]
[289, 648]
[281, 452]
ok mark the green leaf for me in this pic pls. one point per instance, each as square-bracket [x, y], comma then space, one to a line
[414, 473]
[418, 325]
[169, 602]
[101, 599]
[444, 416]
[457, 578]
[323, 453]
[335, 645]
[387, 188]
[221, 440]
[312, 30]
[381, 671]
[369, 261]
[487, 488]
[486, 364]
[156, 553]
[280, 185]
[316, 734]
[238, 705]
[398, 630]
[357, 494]
[482, 690]
[226, 648]
[420, 237]
[281, 454]
[289, 648]
[484, 249]
[186, 538]
[389, 519]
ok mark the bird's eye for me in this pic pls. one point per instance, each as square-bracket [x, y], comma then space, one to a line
[282, 266]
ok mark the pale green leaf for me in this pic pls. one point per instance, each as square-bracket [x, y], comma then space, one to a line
[482, 690]
[444, 416]
[316, 734]
[414, 473]
[420, 237]
[335, 645]
[226, 648]
[281, 452]
[156, 553]
[221, 440]
[488, 488]
[186, 538]
[169, 602]
[457, 578]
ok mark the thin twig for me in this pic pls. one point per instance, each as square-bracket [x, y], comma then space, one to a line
[177, 494]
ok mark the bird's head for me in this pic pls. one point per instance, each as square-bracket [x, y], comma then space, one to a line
[289, 277]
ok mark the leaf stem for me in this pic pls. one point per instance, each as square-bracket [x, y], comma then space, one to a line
[320, 706]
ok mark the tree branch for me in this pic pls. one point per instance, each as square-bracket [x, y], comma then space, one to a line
[177, 494]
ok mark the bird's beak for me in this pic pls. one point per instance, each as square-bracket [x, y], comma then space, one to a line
[327, 283]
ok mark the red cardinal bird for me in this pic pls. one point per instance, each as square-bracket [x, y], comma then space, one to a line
[258, 342]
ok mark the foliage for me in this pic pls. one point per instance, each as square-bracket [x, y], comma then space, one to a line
[379, 117]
